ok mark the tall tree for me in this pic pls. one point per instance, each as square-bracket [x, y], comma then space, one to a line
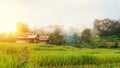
[76, 38]
[107, 27]
[56, 37]
[73, 39]
[86, 35]
[22, 27]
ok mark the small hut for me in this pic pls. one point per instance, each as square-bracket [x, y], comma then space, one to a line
[27, 38]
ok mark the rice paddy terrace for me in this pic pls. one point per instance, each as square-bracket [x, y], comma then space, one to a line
[14, 55]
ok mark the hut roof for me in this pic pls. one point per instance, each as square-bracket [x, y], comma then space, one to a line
[44, 38]
[27, 36]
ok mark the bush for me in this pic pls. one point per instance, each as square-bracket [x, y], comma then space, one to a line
[115, 46]
[103, 46]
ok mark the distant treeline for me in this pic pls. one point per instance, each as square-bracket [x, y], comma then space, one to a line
[105, 30]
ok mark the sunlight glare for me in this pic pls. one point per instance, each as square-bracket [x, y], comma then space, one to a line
[7, 28]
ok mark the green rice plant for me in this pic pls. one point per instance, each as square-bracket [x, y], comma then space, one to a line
[14, 55]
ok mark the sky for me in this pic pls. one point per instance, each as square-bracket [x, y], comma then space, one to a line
[69, 13]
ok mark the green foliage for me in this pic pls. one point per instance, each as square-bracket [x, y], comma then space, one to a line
[56, 37]
[22, 27]
[107, 27]
[76, 39]
[103, 46]
[89, 44]
[73, 39]
[86, 35]
[101, 42]
[116, 45]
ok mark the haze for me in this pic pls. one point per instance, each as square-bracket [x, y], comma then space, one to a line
[69, 13]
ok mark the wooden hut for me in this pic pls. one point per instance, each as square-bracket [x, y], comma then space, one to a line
[27, 38]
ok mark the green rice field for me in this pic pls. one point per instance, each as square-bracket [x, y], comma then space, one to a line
[14, 55]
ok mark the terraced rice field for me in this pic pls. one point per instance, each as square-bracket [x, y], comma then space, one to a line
[50, 56]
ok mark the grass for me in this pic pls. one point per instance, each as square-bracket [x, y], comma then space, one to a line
[14, 55]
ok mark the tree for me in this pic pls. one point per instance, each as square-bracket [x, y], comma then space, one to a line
[22, 27]
[8, 37]
[86, 35]
[73, 39]
[107, 27]
[76, 38]
[56, 37]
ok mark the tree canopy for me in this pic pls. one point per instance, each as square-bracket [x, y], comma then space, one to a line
[22, 27]
[56, 37]
[86, 35]
[107, 27]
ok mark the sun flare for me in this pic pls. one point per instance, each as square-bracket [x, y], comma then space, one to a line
[7, 28]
